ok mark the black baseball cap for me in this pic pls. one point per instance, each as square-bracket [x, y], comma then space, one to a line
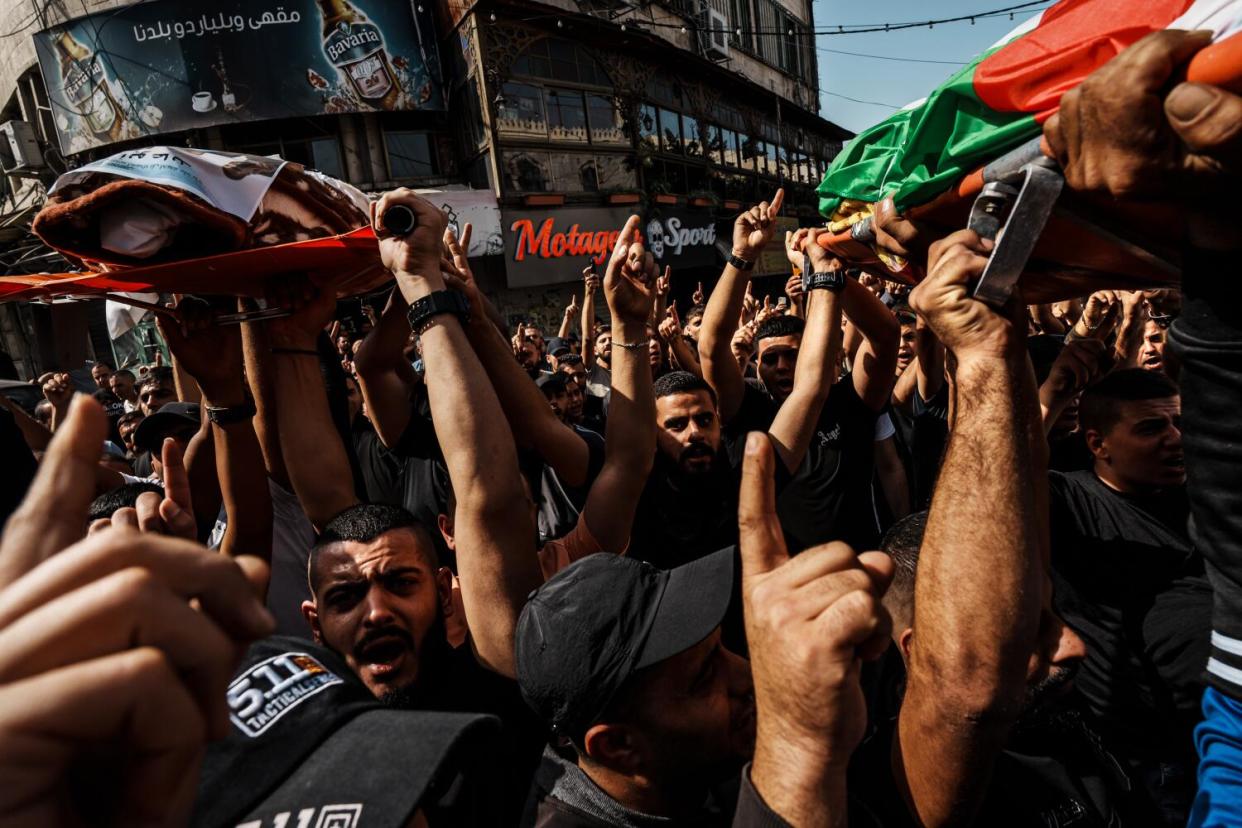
[307, 735]
[150, 434]
[600, 620]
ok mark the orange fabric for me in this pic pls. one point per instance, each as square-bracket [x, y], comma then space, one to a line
[1072, 40]
[349, 263]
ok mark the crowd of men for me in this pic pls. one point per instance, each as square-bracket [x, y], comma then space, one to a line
[847, 554]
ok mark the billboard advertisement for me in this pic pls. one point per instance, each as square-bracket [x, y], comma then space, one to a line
[166, 66]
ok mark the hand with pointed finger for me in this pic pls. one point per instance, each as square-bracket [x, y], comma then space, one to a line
[670, 325]
[811, 620]
[630, 277]
[699, 297]
[754, 228]
[106, 667]
[665, 282]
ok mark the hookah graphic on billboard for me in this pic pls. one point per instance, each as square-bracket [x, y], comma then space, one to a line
[165, 66]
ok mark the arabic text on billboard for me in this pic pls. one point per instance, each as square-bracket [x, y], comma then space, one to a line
[167, 66]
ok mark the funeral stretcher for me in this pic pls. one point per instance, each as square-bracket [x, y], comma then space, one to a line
[175, 219]
[970, 155]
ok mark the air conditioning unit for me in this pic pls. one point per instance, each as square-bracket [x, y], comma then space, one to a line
[19, 149]
[713, 33]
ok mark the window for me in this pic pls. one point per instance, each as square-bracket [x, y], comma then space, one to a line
[690, 133]
[410, 155]
[521, 114]
[560, 60]
[574, 172]
[670, 132]
[770, 150]
[751, 150]
[732, 153]
[615, 171]
[607, 126]
[566, 115]
[527, 172]
[648, 128]
[323, 154]
[714, 141]
[740, 16]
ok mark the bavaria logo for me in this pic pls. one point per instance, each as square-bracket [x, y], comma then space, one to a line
[350, 37]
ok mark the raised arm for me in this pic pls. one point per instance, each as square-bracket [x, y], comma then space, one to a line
[751, 233]
[590, 285]
[813, 376]
[670, 331]
[875, 362]
[979, 591]
[534, 424]
[630, 443]
[260, 376]
[212, 356]
[493, 524]
[35, 433]
[928, 360]
[309, 442]
[569, 318]
[384, 375]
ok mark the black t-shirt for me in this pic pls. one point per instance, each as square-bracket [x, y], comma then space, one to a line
[560, 504]
[1128, 580]
[829, 497]
[411, 475]
[929, 432]
[1058, 774]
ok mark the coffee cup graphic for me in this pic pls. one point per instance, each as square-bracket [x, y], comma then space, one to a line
[203, 102]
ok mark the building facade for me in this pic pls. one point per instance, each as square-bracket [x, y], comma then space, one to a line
[544, 124]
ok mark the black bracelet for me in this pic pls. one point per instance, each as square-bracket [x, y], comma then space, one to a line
[297, 351]
[227, 415]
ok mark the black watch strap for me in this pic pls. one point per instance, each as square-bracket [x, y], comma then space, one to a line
[830, 280]
[740, 263]
[434, 304]
[226, 415]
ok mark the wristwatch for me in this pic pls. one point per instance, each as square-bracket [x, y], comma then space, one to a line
[740, 263]
[828, 280]
[222, 415]
[434, 304]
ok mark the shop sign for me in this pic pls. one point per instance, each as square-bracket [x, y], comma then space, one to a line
[682, 238]
[553, 246]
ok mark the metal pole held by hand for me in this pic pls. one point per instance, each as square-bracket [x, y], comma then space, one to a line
[399, 220]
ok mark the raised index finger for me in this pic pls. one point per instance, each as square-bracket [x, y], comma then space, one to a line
[53, 514]
[759, 531]
[777, 200]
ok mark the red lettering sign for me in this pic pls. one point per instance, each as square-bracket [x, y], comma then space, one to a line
[547, 243]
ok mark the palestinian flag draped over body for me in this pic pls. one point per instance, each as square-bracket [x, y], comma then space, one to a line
[1003, 97]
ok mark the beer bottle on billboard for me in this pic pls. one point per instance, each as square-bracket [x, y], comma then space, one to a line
[87, 88]
[355, 46]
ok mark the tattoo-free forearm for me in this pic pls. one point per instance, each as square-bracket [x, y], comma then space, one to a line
[317, 463]
[629, 446]
[798, 415]
[379, 364]
[720, 366]
[978, 595]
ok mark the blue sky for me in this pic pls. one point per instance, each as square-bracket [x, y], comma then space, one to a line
[896, 82]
